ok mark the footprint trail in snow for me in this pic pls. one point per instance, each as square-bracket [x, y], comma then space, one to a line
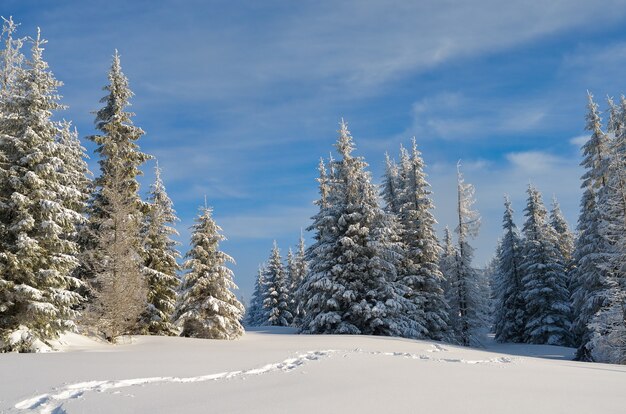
[52, 403]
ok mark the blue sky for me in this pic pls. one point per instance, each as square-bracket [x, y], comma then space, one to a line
[240, 99]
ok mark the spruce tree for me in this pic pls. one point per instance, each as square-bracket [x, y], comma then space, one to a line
[421, 273]
[116, 212]
[545, 280]
[590, 274]
[447, 264]
[255, 313]
[207, 307]
[160, 260]
[299, 274]
[39, 217]
[607, 326]
[565, 238]
[350, 288]
[276, 300]
[11, 65]
[389, 188]
[592, 251]
[471, 289]
[508, 292]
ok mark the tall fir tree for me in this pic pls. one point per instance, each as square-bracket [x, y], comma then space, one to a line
[472, 292]
[508, 292]
[421, 273]
[276, 300]
[300, 272]
[350, 288]
[389, 188]
[447, 264]
[565, 238]
[11, 65]
[255, 313]
[608, 326]
[116, 190]
[545, 280]
[160, 260]
[592, 251]
[590, 276]
[39, 217]
[207, 307]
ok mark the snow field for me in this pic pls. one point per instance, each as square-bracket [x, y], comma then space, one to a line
[268, 372]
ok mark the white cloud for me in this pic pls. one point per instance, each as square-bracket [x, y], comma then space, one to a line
[534, 162]
[579, 141]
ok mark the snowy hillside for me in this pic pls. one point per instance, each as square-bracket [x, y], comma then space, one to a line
[279, 372]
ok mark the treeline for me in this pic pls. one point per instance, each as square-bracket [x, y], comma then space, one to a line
[378, 270]
[558, 288]
[92, 252]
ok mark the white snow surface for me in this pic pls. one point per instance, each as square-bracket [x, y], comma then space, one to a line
[274, 370]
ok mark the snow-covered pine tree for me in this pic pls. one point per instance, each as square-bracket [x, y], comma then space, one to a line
[38, 253]
[255, 313]
[545, 280]
[421, 273]
[11, 58]
[508, 292]
[75, 174]
[389, 188]
[276, 298]
[207, 307]
[160, 260]
[596, 150]
[447, 265]
[298, 277]
[473, 294]
[120, 159]
[608, 326]
[350, 288]
[290, 274]
[614, 123]
[564, 235]
[590, 276]
[11, 64]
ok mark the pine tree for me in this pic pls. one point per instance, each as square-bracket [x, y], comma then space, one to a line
[590, 274]
[290, 274]
[447, 264]
[614, 123]
[607, 326]
[389, 188]
[11, 64]
[508, 292]
[276, 300]
[160, 260]
[545, 280]
[472, 292]
[299, 274]
[37, 254]
[421, 273]
[350, 288]
[207, 307]
[596, 149]
[565, 238]
[116, 193]
[255, 314]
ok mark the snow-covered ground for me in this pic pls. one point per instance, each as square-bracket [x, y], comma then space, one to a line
[276, 371]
